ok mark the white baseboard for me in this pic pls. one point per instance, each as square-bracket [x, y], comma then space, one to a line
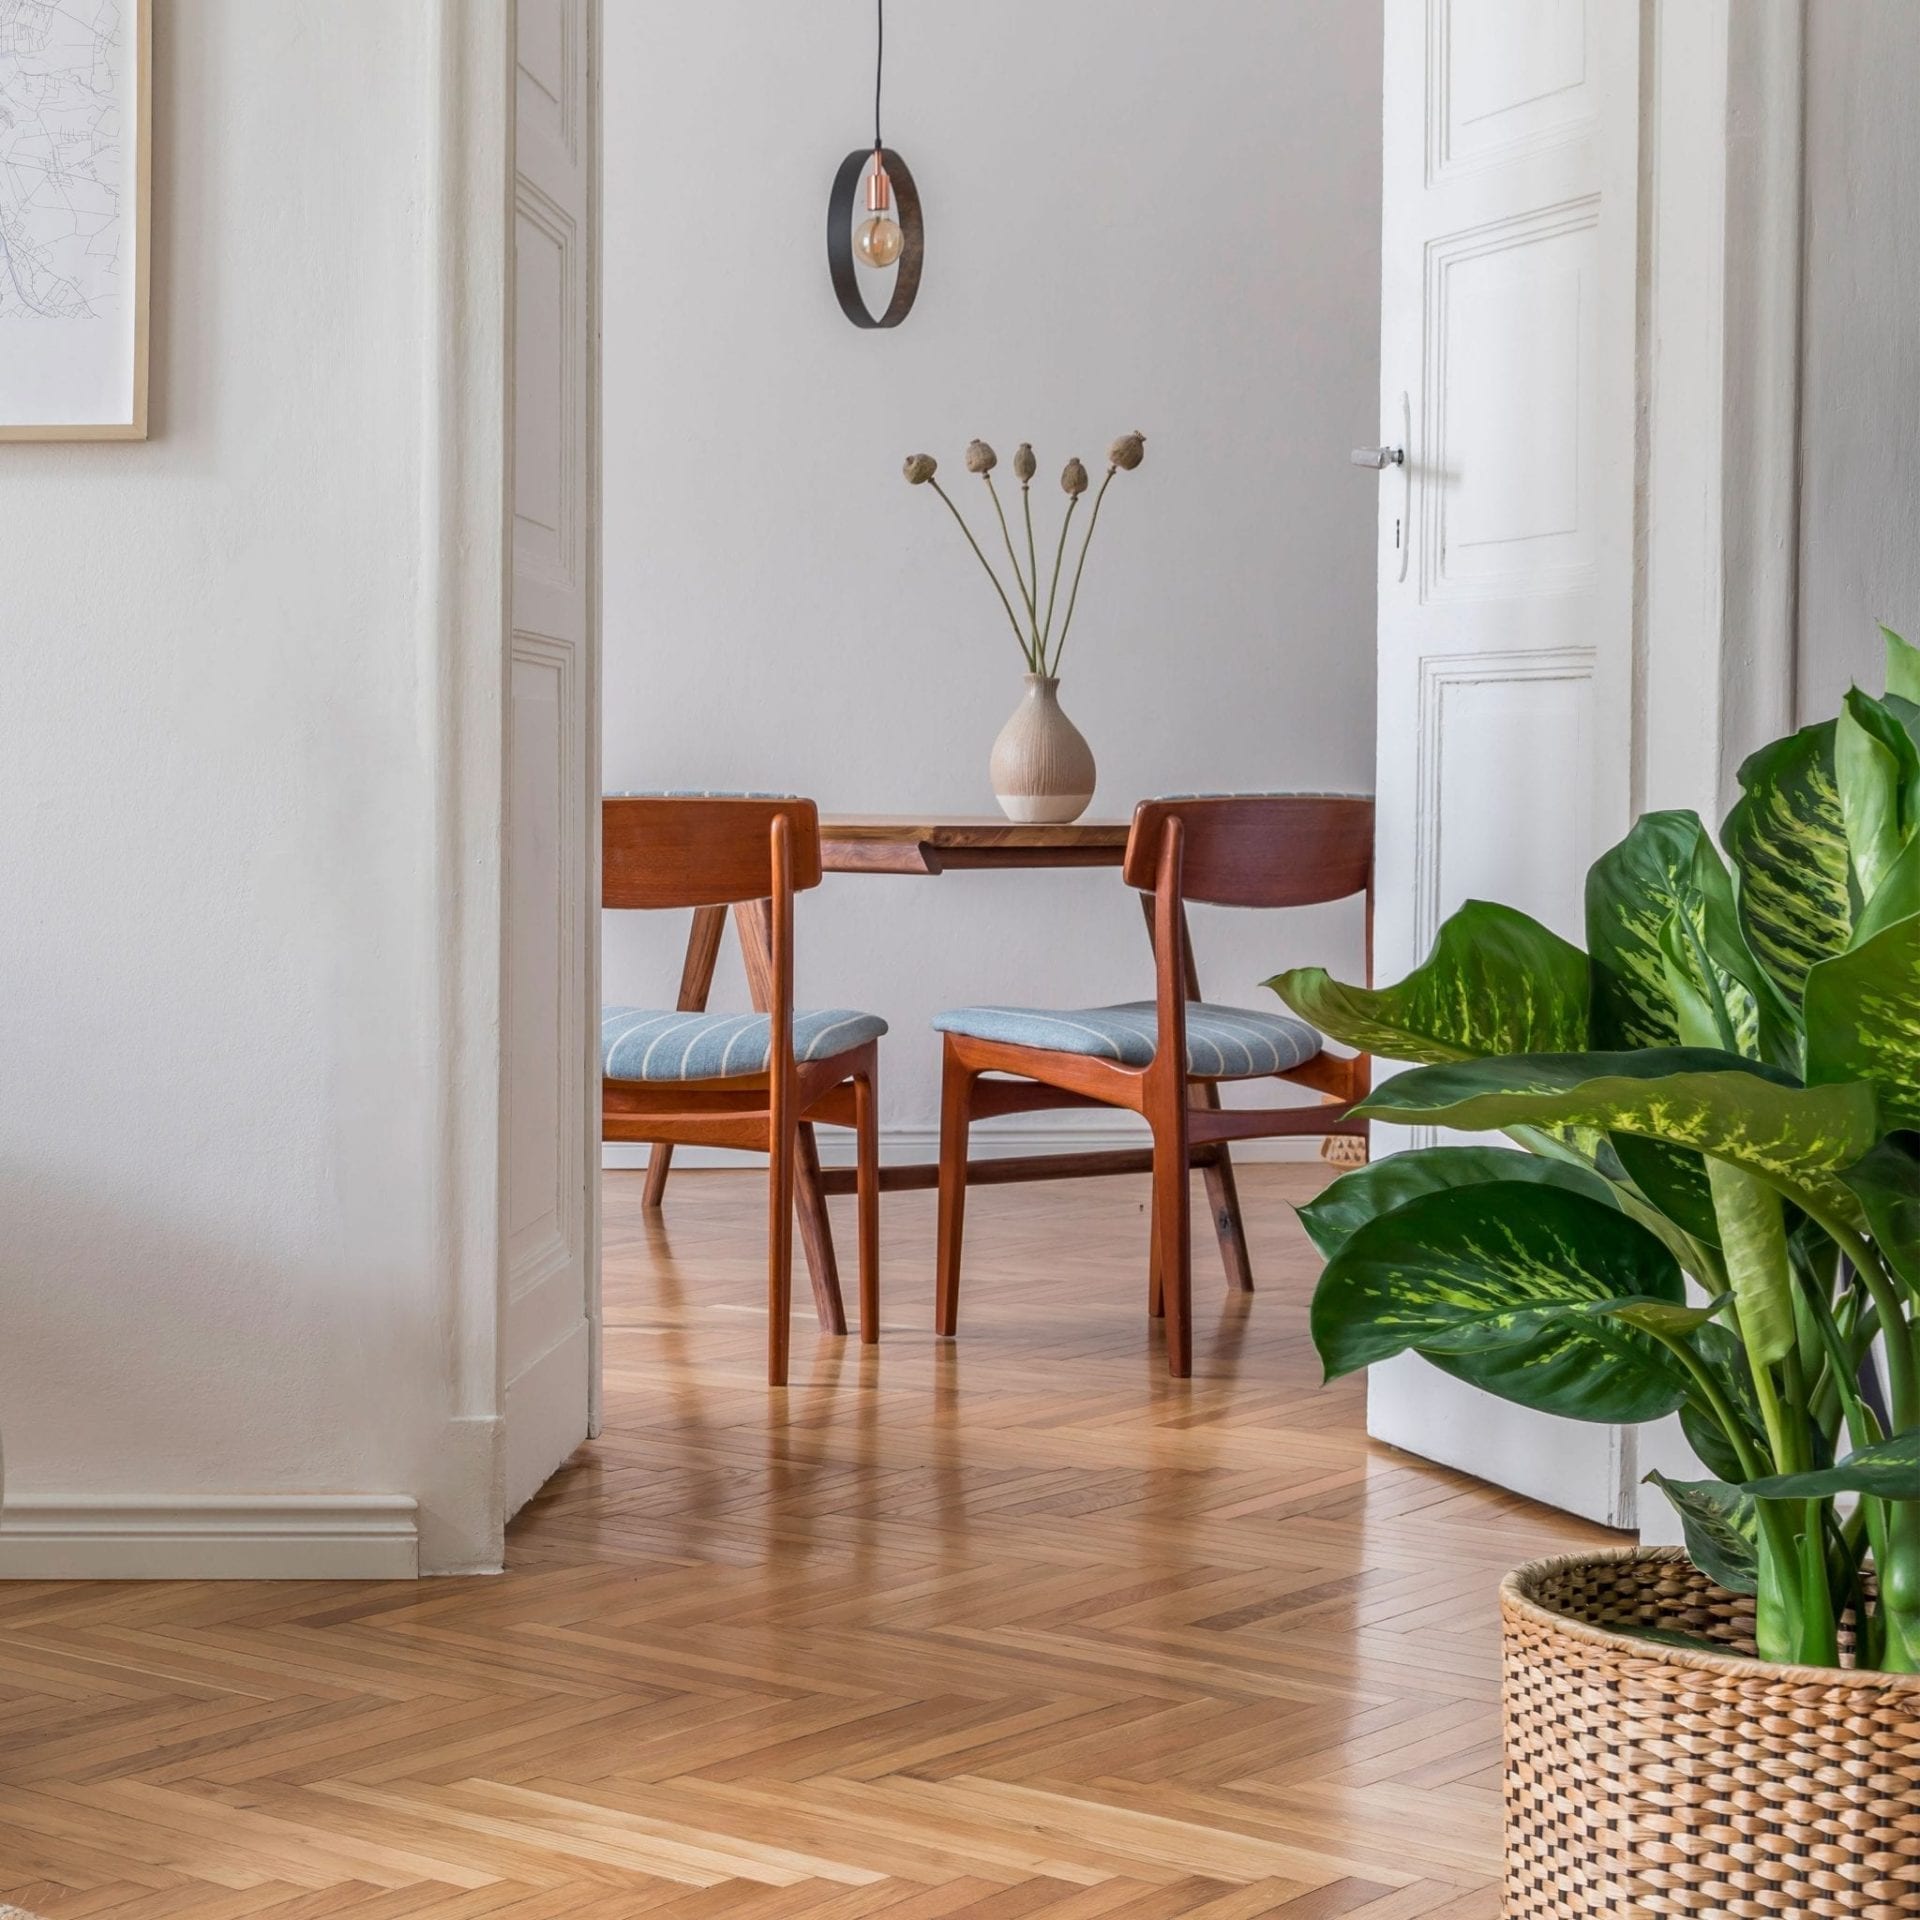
[989, 1142]
[268, 1536]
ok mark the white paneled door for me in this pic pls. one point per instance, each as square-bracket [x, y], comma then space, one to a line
[1508, 374]
[550, 1104]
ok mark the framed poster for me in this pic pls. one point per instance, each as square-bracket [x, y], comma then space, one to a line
[76, 142]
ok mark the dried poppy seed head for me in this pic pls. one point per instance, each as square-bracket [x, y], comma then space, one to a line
[1024, 464]
[981, 458]
[919, 469]
[1128, 451]
[1073, 478]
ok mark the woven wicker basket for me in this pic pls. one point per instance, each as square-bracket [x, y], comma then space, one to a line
[1643, 1780]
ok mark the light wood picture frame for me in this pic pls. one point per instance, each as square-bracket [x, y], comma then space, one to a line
[76, 218]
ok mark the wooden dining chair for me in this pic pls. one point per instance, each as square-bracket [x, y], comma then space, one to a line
[1164, 1058]
[747, 1080]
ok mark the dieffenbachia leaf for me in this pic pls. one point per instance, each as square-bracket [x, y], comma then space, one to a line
[1515, 1287]
[1720, 1525]
[1716, 1103]
[1697, 1013]
[1718, 1351]
[1890, 1468]
[1862, 1012]
[1749, 1227]
[1671, 1179]
[1333, 1217]
[1887, 1185]
[1903, 666]
[1877, 772]
[1495, 982]
[1788, 844]
[1897, 896]
[1665, 868]
[1753, 1241]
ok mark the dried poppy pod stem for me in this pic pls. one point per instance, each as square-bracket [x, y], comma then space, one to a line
[984, 468]
[1073, 483]
[919, 469]
[1124, 455]
[1023, 471]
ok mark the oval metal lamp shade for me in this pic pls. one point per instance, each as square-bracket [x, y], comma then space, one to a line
[840, 260]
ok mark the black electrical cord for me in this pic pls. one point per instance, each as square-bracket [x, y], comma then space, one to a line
[879, 58]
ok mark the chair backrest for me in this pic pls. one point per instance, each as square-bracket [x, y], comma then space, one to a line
[702, 850]
[1258, 849]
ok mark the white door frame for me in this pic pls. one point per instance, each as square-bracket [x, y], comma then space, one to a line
[1718, 284]
[1722, 171]
[467, 373]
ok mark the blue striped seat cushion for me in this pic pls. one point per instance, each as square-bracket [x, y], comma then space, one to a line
[640, 1043]
[1223, 1043]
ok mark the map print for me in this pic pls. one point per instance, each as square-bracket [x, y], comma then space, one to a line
[63, 150]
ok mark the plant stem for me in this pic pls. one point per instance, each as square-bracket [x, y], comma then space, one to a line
[1053, 592]
[1033, 566]
[1093, 520]
[1730, 1423]
[1013, 560]
[982, 558]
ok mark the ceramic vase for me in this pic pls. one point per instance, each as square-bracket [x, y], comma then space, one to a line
[1042, 767]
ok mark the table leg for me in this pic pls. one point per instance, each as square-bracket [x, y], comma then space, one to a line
[753, 921]
[696, 978]
[1223, 1195]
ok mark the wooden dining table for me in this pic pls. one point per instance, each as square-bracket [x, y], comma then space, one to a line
[927, 844]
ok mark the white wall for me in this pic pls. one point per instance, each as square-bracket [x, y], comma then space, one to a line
[1138, 215]
[223, 1259]
[1860, 392]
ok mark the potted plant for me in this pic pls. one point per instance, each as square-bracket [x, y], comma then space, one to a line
[1042, 767]
[1711, 1208]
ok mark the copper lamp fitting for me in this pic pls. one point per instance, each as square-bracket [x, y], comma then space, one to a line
[879, 188]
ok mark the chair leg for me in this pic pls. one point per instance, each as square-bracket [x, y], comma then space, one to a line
[866, 1117]
[779, 1254]
[956, 1112]
[1173, 1219]
[1156, 1291]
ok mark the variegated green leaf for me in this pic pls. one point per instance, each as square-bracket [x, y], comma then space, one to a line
[1877, 772]
[1495, 982]
[1515, 1287]
[1720, 1526]
[1788, 845]
[1897, 896]
[1753, 1240]
[1863, 1020]
[1674, 1178]
[1716, 1103]
[1670, 1178]
[1890, 1468]
[1333, 1217]
[1717, 1349]
[1903, 666]
[1665, 868]
[1887, 1185]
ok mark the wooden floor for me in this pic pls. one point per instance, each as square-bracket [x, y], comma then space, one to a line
[1015, 1625]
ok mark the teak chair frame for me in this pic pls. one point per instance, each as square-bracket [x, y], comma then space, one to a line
[752, 855]
[1268, 850]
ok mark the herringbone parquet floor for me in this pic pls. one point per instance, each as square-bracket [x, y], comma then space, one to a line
[1007, 1627]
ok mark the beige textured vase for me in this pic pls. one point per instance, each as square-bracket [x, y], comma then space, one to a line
[1042, 767]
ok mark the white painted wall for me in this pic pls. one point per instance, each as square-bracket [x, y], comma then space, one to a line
[228, 1229]
[1860, 391]
[1138, 215]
